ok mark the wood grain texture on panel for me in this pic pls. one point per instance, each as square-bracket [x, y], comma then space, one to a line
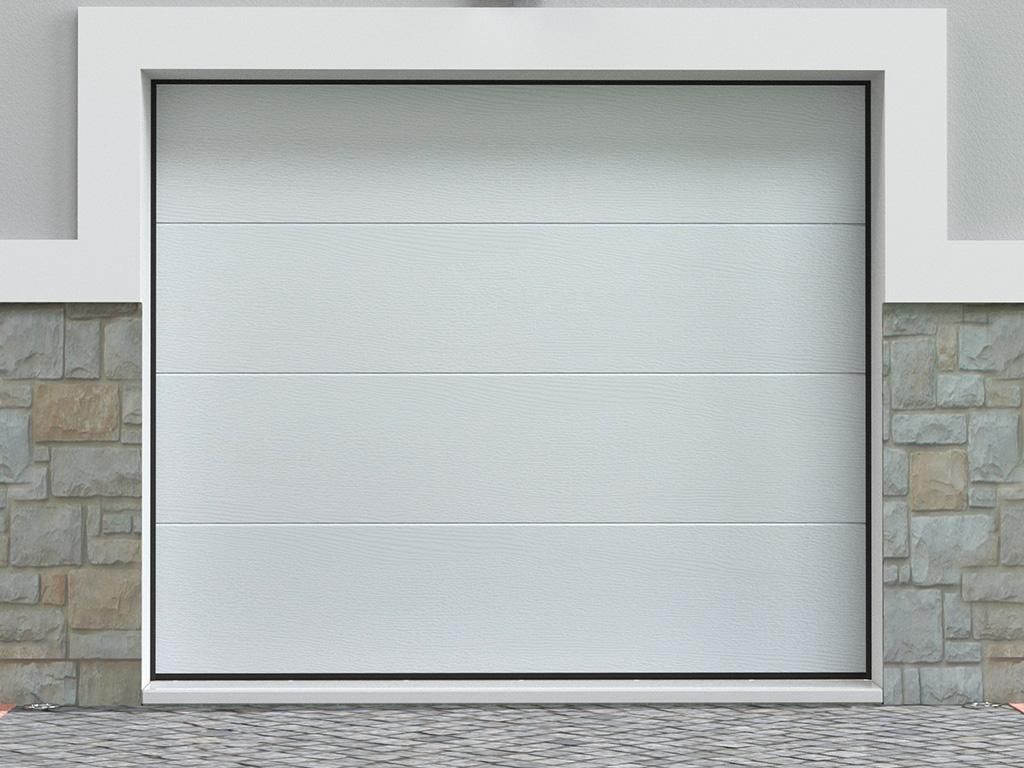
[510, 153]
[510, 598]
[513, 298]
[500, 448]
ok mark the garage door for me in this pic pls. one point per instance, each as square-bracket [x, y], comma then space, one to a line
[510, 380]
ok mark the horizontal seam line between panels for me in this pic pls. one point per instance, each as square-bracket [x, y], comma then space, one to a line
[525, 223]
[520, 524]
[510, 373]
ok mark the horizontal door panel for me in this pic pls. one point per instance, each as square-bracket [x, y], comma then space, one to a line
[499, 153]
[285, 298]
[458, 599]
[499, 448]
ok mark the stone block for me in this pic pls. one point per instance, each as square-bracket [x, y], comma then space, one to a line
[963, 652]
[982, 496]
[1011, 535]
[912, 373]
[31, 341]
[938, 480]
[22, 682]
[110, 550]
[54, 588]
[116, 522]
[912, 625]
[109, 683]
[41, 454]
[941, 545]
[76, 411]
[88, 311]
[945, 347]
[993, 444]
[1011, 491]
[122, 348]
[951, 685]
[96, 471]
[911, 686]
[960, 390]
[19, 587]
[131, 404]
[890, 573]
[104, 598]
[131, 434]
[1002, 394]
[46, 535]
[886, 412]
[998, 621]
[892, 685]
[105, 644]
[997, 346]
[15, 394]
[995, 585]
[895, 529]
[31, 485]
[895, 472]
[15, 444]
[1004, 680]
[956, 616]
[905, 573]
[918, 319]
[4, 547]
[31, 632]
[82, 349]
[929, 428]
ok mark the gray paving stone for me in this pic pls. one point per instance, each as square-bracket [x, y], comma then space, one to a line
[453, 736]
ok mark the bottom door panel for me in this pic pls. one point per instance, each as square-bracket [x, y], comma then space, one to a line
[500, 599]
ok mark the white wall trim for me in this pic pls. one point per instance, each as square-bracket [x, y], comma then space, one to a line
[120, 48]
[515, 691]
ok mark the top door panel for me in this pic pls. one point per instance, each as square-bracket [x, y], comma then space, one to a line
[511, 153]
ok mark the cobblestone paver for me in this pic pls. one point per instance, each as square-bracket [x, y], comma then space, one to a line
[456, 736]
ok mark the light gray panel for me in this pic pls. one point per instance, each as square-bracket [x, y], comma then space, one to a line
[497, 153]
[285, 298]
[498, 448]
[510, 598]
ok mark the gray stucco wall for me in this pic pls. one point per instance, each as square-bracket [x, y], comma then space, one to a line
[986, 92]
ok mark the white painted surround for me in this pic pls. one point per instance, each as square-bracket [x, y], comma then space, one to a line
[901, 51]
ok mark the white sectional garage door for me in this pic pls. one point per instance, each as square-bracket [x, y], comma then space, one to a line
[510, 380]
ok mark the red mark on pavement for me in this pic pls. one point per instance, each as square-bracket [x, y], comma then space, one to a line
[1018, 707]
[5, 708]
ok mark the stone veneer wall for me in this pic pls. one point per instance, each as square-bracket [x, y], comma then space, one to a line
[953, 530]
[70, 424]
[953, 525]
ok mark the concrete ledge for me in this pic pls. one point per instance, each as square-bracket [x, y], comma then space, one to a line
[513, 691]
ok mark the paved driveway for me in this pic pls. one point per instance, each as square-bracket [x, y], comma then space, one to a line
[456, 736]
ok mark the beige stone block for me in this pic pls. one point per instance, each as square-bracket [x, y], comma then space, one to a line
[76, 411]
[109, 683]
[54, 588]
[945, 347]
[104, 598]
[1004, 681]
[938, 480]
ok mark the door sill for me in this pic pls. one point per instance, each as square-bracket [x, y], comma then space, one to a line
[512, 691]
